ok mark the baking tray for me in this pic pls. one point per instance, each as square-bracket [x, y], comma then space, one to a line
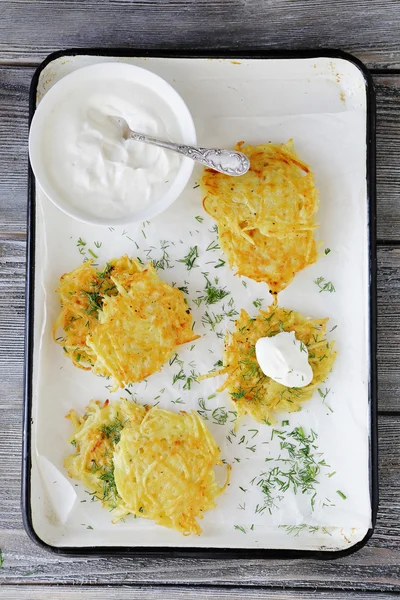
[247, 97]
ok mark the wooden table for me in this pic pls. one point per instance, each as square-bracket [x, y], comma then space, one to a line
[28, 32]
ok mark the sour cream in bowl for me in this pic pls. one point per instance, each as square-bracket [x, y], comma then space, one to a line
[80, 159]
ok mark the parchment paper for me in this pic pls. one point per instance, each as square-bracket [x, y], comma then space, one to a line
[334, 145]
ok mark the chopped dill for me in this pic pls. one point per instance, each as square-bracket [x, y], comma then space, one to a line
[164, 262]
[219, 416]
[178, 401]
[105, 272]
[213, 246]
[297, 468]
[180, 376]
[238, 395]
[113, 431]
[212, 295]
[190, 258]
[211, 320]
[95, 300]
[324, 286]
[254, 431]
[219, 264]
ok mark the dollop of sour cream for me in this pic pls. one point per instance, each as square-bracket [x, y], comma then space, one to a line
[284, 359]
[90, 163]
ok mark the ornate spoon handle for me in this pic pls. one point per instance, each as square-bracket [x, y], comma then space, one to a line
[229, 162]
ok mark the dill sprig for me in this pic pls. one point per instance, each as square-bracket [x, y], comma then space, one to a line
[105, 272]
[180, 376]
[239, 394]
[95, 300]
[297, 529]
[203, 409]
[323, 395]
[219, 416]
[191, 380]
[113, 431]
[165, 261]
[190, 258]
[324, 286]
[213, 246]
[212, 294]
[212, 320]
[109, 492]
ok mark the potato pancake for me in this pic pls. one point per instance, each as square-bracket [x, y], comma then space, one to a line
[96, 434]
[253, 392]
[148, 462]
[139, 328]
[266, 218]
[122, 322]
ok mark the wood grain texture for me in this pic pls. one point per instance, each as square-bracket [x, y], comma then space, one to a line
[31, 30]
[14, 107]
[41, 592]
[388, 155]
[376, 567]
[14, 88]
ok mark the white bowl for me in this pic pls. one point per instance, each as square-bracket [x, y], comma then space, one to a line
[109, 72]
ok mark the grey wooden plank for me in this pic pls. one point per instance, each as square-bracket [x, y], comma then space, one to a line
[14, 93]
[176, 593]
[31, 30]
[12, 282]
[374, 568]
[388, 328]
[387, 159]
[14, 87]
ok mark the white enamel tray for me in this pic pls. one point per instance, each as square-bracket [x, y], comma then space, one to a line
[325, 103]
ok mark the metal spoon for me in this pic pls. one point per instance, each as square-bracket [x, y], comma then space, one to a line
[229, 162]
